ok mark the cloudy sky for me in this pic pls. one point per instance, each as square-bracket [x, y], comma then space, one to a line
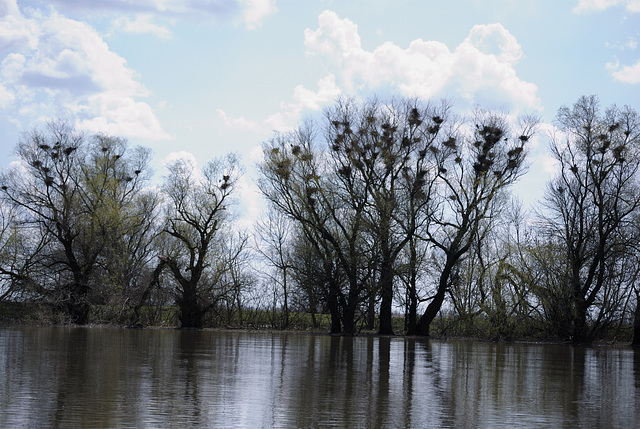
[201, 78]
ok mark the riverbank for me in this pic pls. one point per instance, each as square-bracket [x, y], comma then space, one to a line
[443, 328]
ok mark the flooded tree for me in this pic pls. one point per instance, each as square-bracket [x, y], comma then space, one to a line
[472, 178]
[72, 191]
[193, 246]
[300, 180]
[17, 268]
[386, 176]
[589, 209]
[387, 153]
[274, 235]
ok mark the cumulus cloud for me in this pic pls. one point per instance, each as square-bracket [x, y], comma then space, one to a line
[143, 24]
[237, 122]
[182, 155]
[52, 64]
[479, 70]
[625, 74]
[254, 11]
[290, 112]
[123, 116]
[599, 5]
[304, 100]
[6, 97]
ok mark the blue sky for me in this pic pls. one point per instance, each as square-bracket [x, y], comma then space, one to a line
[200, 78]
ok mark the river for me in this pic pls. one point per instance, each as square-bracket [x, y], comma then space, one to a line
[66, 377]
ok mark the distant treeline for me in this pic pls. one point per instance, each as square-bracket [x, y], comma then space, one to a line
[392, 216]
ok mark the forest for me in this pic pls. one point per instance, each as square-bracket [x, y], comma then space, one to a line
[391, 216]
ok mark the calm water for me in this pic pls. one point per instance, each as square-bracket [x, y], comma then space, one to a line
[107, 377]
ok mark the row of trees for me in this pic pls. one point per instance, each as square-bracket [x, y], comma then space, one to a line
[81, 228]
[376, 209]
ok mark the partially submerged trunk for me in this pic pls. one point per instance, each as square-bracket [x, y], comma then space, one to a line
[636, 322]
[191, 313]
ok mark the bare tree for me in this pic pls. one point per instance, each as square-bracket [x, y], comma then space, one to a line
[472, 178]
[274, 234]
[192, 247]
[388, 153]
[589, 206]
[297, 178]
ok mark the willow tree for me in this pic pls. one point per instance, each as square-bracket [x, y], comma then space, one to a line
[590, 207]
[195, 233]
[72, 190]
[17, 267]
[300, 181]
[274, 236]
[477, 168]
[389, 153]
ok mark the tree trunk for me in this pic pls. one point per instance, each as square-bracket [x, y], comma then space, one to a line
[332, 302]
[636, 323]
[285, 292]
[371, 310]
[386, 293]
[580, 329]
[411, 325]
[78, 312]
[348, 321]
[78, 307]
[434, 306]
[190, 312]
[430, 313]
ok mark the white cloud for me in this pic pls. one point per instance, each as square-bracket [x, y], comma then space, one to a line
[304, 99]
[237, 122]
[143, 24]
[180, 155]
[289, 114]
[6, 97]
[54, 65]
[479, 70]
[626, 74]
[121, 116]
[254, 11]
[599, 5]
[630, 44]
[548, 164]
[250, 202]
[15, 30]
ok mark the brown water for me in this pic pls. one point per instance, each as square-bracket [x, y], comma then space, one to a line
[108, 377]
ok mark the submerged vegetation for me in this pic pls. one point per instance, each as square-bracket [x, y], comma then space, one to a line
[388, 217]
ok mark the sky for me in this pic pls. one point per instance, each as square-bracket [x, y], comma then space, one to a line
[201, 78]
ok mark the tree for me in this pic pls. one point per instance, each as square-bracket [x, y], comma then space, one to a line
[275, 240]
[16, 266]
[589, 207]
[72, 190]
[299, 181]
[196, 214]
[362, 195]
[478, 168]
[388, 153]
[126, 272]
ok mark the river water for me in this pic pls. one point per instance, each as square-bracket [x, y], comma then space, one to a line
[117, 378]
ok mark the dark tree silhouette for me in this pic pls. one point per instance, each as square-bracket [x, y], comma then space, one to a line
[590, 207]
[194, 243]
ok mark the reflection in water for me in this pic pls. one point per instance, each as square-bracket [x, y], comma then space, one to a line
[107, 377]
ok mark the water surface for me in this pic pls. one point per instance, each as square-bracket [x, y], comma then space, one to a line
[109, 377]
